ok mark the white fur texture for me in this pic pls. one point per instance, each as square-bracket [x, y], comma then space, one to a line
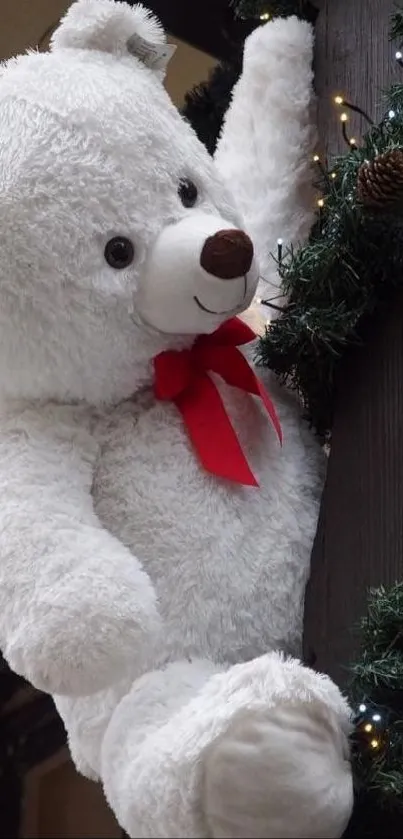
[259, 750]
[140, 591]
[92, 25]
[273, 182]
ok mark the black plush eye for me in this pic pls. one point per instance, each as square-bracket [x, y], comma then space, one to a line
[119, 252]
[187, 193]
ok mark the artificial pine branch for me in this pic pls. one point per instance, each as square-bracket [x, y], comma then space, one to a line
[350, 266]
[206, 105]
[396, 27]
[376, 691]
[274, 8]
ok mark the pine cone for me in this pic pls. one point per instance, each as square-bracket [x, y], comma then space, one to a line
[380, 181]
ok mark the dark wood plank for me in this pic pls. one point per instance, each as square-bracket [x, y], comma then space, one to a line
[360, 535]
[354, 59]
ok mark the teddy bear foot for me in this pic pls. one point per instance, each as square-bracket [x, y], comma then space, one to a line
[257, 750]
[276, 773]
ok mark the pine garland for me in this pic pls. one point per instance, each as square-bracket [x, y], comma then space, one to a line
[206, 105]
[376, 691]
[277, 8]
[350, 266]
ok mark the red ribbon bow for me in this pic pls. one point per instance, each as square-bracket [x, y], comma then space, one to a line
[182, 377]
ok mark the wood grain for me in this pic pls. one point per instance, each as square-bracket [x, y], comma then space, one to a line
[360, 535]
[355, 59]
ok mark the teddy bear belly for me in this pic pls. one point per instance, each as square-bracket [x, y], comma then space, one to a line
[229, 563]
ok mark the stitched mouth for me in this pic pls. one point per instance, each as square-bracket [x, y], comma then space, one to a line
[225, 311]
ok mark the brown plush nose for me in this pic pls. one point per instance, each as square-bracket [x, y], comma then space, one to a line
[227, 255]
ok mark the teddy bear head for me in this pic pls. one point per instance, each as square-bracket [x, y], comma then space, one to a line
[118, 236]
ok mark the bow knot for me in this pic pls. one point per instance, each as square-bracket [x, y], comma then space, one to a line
[183, 377]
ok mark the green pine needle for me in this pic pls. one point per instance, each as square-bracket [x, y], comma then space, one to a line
[277, 8]
[377, 681]
[396, 28]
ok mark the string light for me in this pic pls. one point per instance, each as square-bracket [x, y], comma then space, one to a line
[399, 58]
[353, 143]
[333, 176]
[344, 121]
[279, 250]
[339, 100]
[265, 16]
[323, 169]
[392, 114]
[321, 203]
[371, 732]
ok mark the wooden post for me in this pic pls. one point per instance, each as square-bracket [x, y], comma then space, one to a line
[360, 536]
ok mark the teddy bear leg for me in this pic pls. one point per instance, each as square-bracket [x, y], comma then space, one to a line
[86, 719]
[257, 750]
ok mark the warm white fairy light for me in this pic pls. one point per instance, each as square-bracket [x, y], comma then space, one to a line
[265, 16]
[316, 158]
[344, 117]
[333, 175]
[392, 114]
[321, 202]
[338, 100]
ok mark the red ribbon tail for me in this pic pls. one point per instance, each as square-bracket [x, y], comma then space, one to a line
[234, 368]
[233, 332]
[212, 433]
[269, 405]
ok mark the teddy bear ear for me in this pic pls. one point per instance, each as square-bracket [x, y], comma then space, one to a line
[116, 28]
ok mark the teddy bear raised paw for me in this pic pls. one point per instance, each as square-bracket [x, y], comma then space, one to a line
[158, 499]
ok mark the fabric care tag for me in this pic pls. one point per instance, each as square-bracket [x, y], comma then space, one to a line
[154, 56]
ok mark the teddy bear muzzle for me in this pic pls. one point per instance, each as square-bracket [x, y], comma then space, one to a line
[227, 255]
[200, 271]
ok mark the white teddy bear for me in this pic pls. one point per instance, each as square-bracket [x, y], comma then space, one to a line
[145, 580]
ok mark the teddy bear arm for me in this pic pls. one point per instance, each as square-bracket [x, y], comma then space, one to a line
[75, 604]
[266, 145]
